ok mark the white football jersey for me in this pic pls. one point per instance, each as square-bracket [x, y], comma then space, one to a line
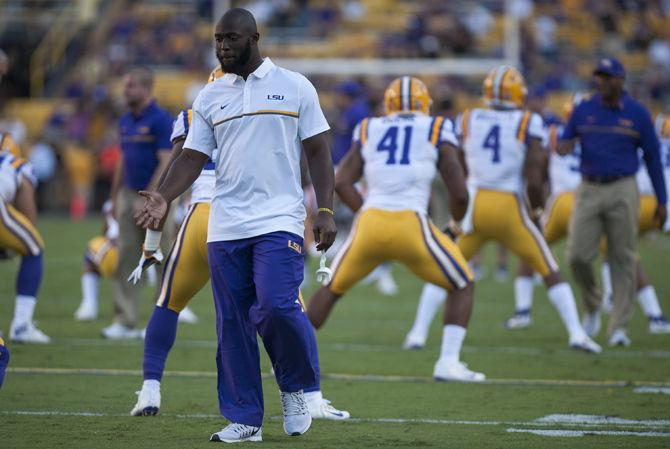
[203, 187]
[564, 174]
[495, 143]
[400, 154]
[644, 185]
[12, 171]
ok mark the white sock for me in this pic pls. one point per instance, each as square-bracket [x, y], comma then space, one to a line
[384, 272]
[649, 302]
[452, 340]
[152, 384]
[563, 300]
[432, 297]
[313, 395]
[523, 293]
[606, 279]
[89, 288]
[24, 308]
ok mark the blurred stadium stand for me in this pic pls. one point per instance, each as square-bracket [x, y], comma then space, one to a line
[67, 58]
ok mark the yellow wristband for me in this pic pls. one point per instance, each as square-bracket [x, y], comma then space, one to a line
[325, 209]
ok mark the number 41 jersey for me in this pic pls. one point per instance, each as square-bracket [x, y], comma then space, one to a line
[400, 154]
[495, 144]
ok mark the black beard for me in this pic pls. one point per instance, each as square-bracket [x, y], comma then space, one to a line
[240, 63]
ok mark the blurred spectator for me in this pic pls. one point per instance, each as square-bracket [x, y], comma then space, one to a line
[545, 35]
[659, 53]
[353, 10]
[477, 18]
[352, 107]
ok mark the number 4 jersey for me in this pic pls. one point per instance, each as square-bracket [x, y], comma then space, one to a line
[400, 154]
[495, 143]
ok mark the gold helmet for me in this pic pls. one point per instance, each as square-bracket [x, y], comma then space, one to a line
[505, 87]
[574, 100]
[407, 94]
[215, 75]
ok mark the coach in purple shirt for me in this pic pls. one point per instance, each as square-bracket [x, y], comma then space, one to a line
[610, 126]
[145, 151]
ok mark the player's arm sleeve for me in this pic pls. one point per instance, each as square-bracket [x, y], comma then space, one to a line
[537, 130]
[27, 172]
[200, 135]
[458, 126]
[652, 156]
[447, 134]
[180, 127]
[162, 132]
[311, 120]
[356, 135]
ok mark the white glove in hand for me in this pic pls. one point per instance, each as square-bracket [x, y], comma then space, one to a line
[323, 274]
[147, 259]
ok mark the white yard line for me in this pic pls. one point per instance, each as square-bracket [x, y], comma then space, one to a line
[653, 390]
[569, 418]
[345, 377]
[581, 433]
[648, 427]
[374, 348]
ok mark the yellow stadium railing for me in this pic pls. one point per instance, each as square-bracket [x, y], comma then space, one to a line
[53, 45]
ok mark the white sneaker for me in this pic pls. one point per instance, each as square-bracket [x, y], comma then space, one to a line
[86, 312]
[237, 433]
[27, 333]
[520, 320]
[148, 402]
[659, 325]
[386, 285]
[187, 316]
[591, 323]
[587, 345]
[296, 414]
[413, 342]
[619, 338]
[117, 331]
[455, 370]
[320, 408]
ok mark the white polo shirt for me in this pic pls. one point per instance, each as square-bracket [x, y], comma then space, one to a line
[252, 130]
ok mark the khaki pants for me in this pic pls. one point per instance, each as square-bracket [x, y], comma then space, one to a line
[610, 210]
[131, 237]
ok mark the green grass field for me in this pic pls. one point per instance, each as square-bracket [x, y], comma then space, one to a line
[77, 391]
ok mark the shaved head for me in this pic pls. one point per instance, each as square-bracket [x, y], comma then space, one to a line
[240, 19]
[236, 37]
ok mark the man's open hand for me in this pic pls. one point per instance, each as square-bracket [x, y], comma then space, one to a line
[153, 211]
